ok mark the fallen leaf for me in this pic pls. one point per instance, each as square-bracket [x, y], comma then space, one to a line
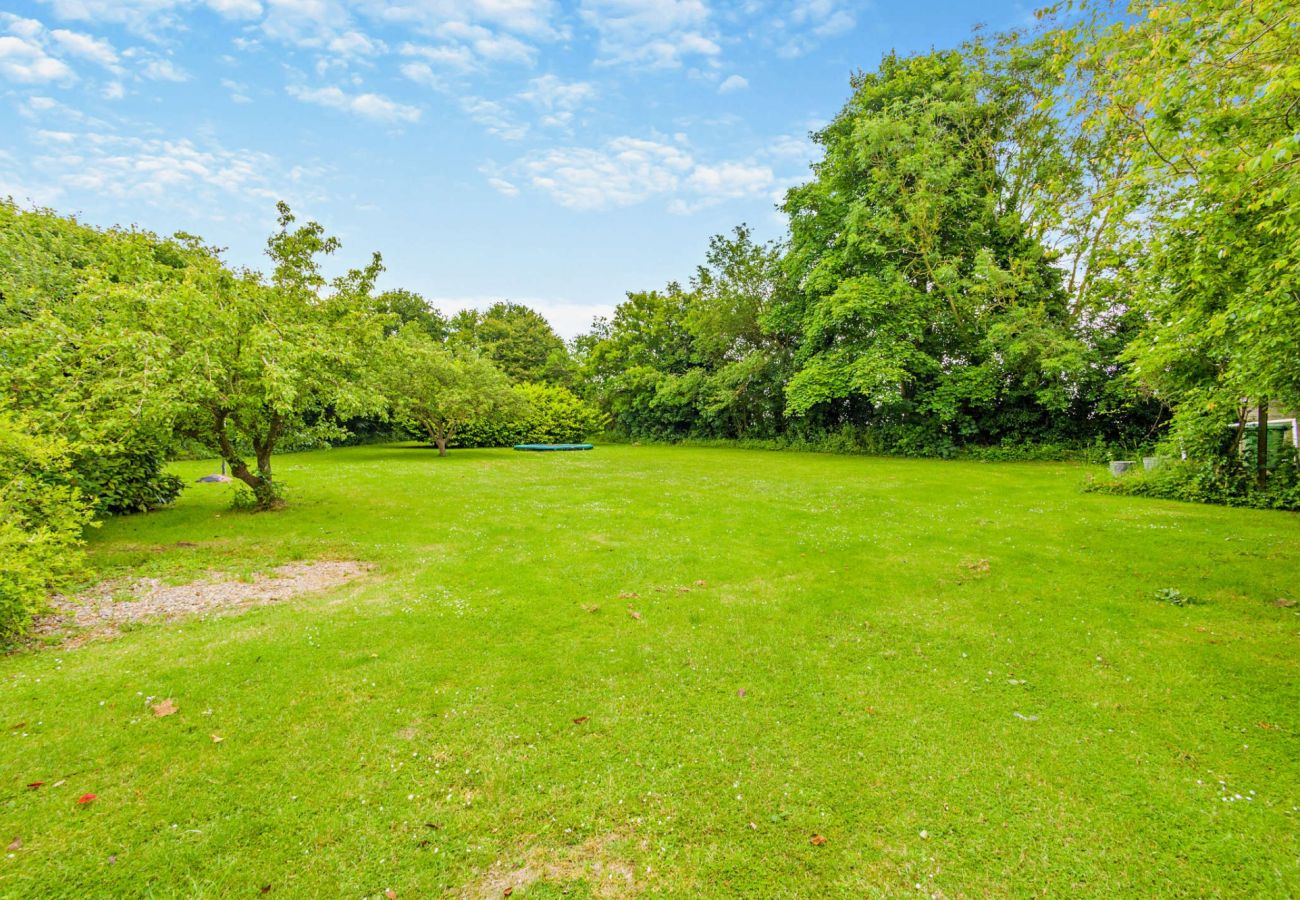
[740, 693]
[817, 840]
[634, 614]
[580, 720]
[59, 783]
[594, 608]
[19, 725]
[35, 785]
[390, 894]
[434, 825]
[266, 889]
[1284, 602]
[507, 892]
[1267, 726]
[683, 590]
[16, 843]
[167, 708]
[628, 595]
[112, 859]
[754, 826]
[424, 843]
[701, 583]
[217, 739]
[85, 799]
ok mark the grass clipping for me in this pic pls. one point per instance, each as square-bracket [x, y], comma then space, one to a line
[112, 605]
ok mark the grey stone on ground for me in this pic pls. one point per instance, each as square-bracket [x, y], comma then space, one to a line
[212, 479]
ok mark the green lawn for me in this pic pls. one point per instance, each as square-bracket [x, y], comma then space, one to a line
[956, 673]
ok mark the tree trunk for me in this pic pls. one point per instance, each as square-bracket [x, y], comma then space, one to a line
[442, 445]
[1261, 445]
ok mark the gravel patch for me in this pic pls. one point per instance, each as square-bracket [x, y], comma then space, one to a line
[111, 604]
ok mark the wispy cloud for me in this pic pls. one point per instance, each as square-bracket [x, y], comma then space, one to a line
[369, 106]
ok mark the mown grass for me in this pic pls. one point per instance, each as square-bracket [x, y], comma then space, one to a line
[956, 673]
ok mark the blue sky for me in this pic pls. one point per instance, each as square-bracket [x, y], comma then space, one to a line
[553, 152]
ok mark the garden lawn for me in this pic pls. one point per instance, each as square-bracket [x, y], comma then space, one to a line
[665, 670]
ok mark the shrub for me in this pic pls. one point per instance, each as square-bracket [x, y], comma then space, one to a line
[41, 520]
[554, 415]
[1222, 480]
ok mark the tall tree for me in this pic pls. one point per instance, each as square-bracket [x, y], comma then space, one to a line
[253, 360]
[1194, 108]
[917, 264]
[439, 392]
[517, 339]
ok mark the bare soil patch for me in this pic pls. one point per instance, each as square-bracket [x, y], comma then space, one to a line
[110, 605]
[594, 862]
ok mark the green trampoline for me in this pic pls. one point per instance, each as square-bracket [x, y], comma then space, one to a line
[546, 448]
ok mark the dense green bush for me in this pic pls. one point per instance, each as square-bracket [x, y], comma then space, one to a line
[554, 415]
[1223, 481]
[41, 520]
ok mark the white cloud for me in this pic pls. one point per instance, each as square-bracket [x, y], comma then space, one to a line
[422, 73]
[531, 18]
[236, 9]
[354, 43]
[650, 33]
[495, 117]
[453, 56]
[809, 22]
[113, 91]
[164, 70]
[97, 50]
[733, 83]
[623, 172]
[177, 173]
[487, 44]
[502, 186]
[627, 171]
[556, 98]
[24, 60]
[370, 106]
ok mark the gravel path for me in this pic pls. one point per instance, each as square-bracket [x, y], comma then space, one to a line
[102, 610]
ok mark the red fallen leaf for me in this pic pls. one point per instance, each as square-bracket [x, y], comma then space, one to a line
[817, 840]
[16, 843]
[167, 708]
[390, 894]
[507, 892]
[85, 799]
[35, 785]
[580, 720]
[634, 614]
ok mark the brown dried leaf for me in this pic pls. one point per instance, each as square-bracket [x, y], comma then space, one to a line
[634, 614]
[217, 739]
[1284, 602]
[16, 843]
[35, 785]
[390, 894]
[817, 840]
[167, 708]
[628, 595]
[507, 892]
[701, 583]
[580, 720]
